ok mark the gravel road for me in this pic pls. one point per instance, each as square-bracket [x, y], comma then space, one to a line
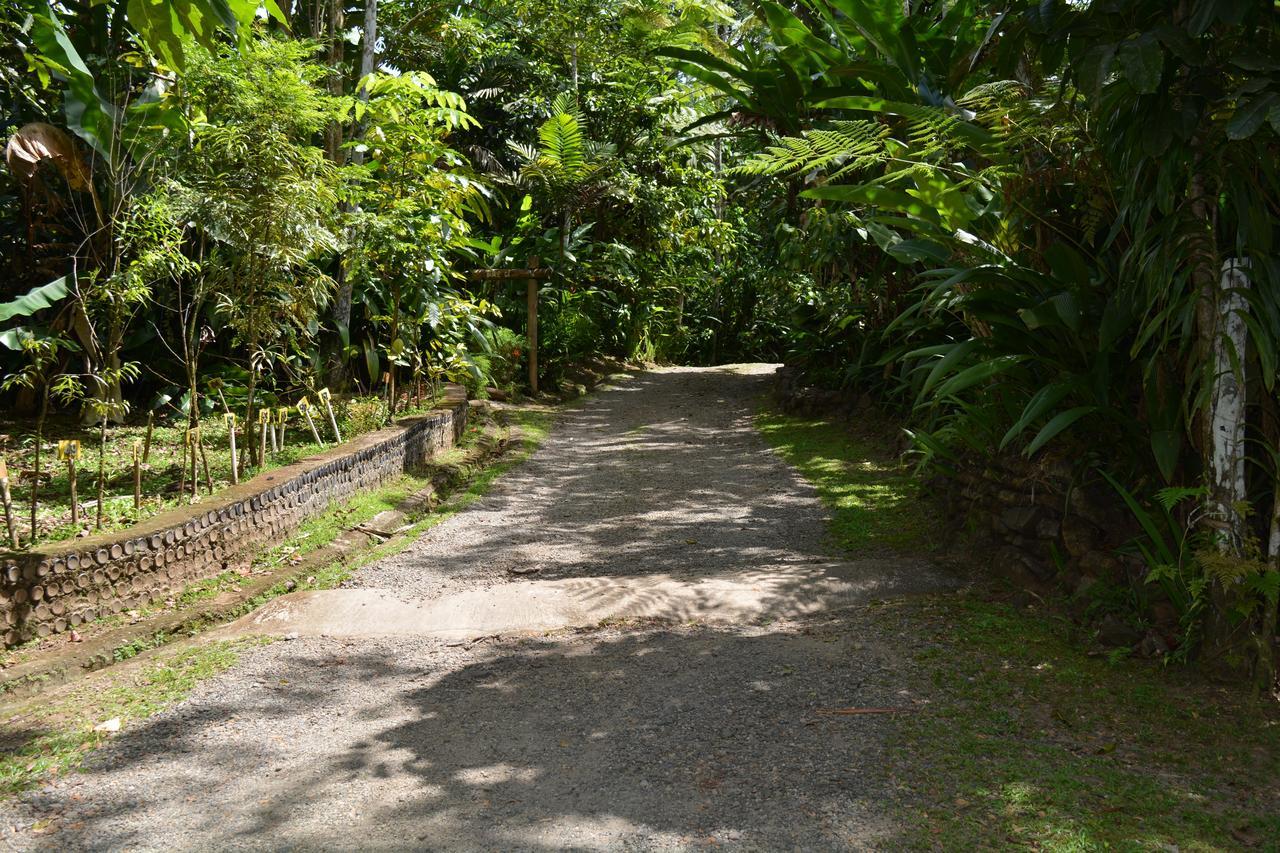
[640, 735]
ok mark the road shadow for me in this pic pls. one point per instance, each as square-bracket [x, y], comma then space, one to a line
[658, 739]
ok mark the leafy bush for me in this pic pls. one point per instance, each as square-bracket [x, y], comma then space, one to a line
[508, 353]
[363, 414]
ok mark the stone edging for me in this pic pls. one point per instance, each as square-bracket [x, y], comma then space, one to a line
[64, 584]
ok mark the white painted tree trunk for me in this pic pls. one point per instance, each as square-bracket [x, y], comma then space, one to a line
[1227, 407]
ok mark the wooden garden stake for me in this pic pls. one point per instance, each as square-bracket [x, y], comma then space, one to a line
[137, 475]
[231, 438]
[264, 424]
[146, 447]
[304, 409]
[70, 451]
[8, 503]
[282, 417]
[326, 397]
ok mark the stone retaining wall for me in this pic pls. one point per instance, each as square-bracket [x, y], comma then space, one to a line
[1046, 529]
[1039, 524]
[64, 584]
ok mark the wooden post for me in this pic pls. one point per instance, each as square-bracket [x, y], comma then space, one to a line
[231, 438]
[264, 423]
[137, 476]
[70, 451]
[532, 298]
[282, 418]
[8, 503]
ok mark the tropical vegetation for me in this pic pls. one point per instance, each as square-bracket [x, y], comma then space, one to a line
[1044, 229]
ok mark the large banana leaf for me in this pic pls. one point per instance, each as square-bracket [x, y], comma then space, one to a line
[34, 300]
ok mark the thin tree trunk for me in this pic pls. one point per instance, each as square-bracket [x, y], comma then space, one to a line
[35, 481]
[102, 469]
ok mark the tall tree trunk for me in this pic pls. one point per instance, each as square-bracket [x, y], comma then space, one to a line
[368, 60]
[1226, 419]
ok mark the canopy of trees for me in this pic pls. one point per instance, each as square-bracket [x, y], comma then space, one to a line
[1038, 228]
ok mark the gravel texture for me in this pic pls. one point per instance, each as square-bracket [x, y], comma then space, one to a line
[637, 736]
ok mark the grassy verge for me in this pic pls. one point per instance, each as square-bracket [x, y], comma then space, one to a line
[1027, 741]
[874, 499]
[54, 734]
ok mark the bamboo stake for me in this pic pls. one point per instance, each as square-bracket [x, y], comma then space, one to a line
[264, 423]
[304, 408]
[531, 300]
[328, 404]
[137, 477]
[75, 503]
[8, 503]
[282, 417]
[231, 437]
[195, 463]
[70, 451]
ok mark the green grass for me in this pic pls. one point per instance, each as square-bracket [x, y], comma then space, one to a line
[53, 736]
[1026, 740]
[1029, 742]
[874, 499]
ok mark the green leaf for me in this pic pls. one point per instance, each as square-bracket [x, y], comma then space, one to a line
[979, 372]
[874, 194]
[1039, 405]
[1066, 264]
[1249, 116]
[1146, 519]
[1166, 446]
[1142, 61]
[34, 300]
[89, 115]
[1059, 423]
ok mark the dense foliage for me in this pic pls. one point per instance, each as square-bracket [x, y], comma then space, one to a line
[1042, 228]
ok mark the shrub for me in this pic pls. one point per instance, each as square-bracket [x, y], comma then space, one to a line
[363, 414]
[506, 355]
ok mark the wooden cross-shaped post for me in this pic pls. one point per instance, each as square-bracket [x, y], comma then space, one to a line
[531, 277]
